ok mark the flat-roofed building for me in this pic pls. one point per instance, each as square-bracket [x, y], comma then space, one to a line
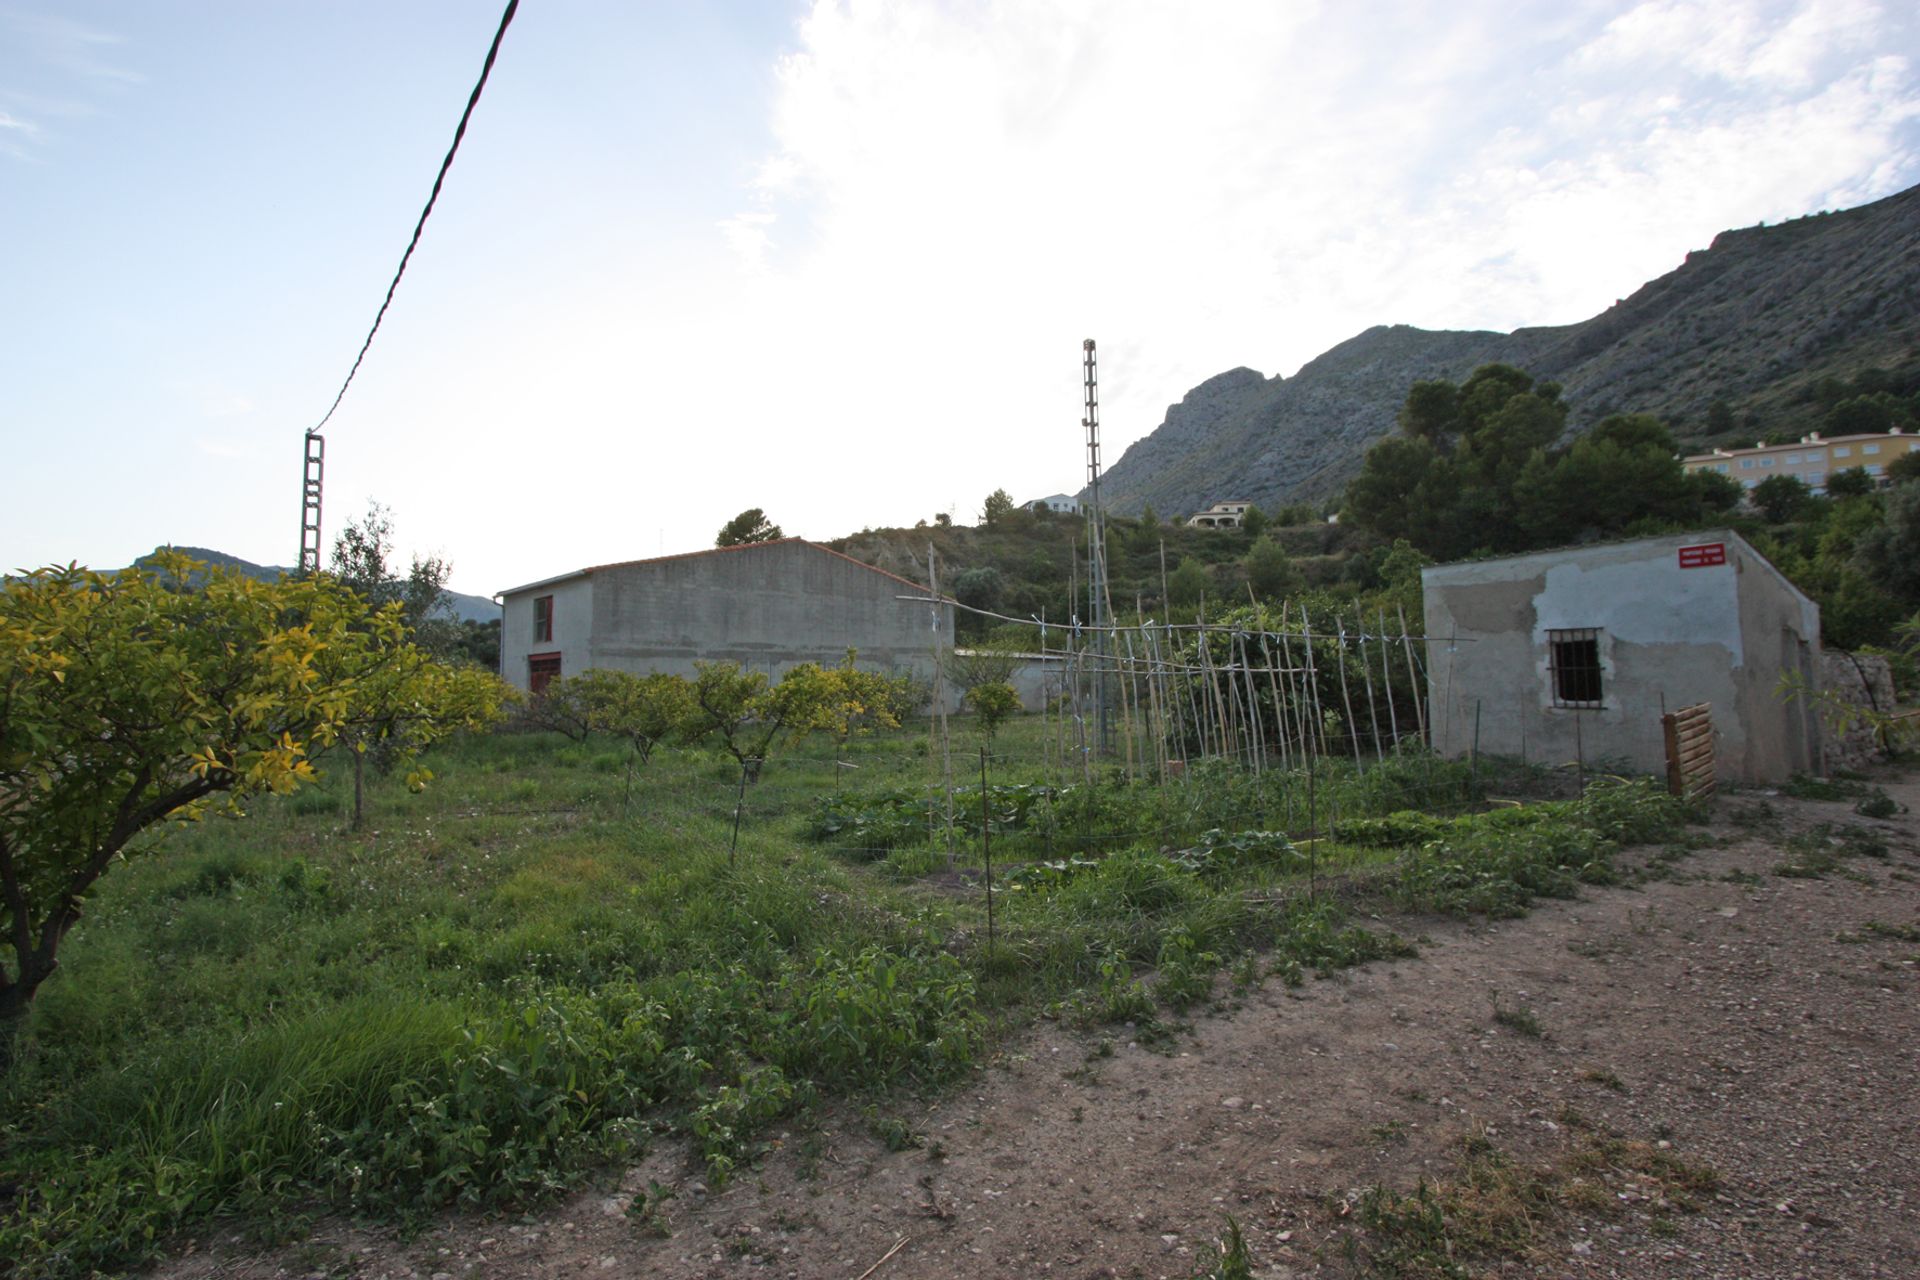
[1575, 654]
[1812, 459]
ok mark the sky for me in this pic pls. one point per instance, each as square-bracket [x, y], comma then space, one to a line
[834, 260]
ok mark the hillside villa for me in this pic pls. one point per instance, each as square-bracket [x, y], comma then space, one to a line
[1221, 515]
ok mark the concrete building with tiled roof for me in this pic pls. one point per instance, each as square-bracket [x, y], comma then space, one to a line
[768, 606]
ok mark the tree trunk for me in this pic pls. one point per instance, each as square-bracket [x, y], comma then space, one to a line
[359, 788]
[14, 1001]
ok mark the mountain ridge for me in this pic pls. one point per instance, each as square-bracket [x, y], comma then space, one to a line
[1753, 319]
[465, 607]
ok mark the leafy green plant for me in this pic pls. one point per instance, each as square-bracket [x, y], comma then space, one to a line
[724, 1125]
[648, 1209]
[1185, 971]
[1118, 996]
[876, 1017]
[1393, 831]
[1219, 852]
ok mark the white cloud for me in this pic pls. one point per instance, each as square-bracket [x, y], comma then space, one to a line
[750, 237]
[1253, 183]
[884, 318]
[957, 195]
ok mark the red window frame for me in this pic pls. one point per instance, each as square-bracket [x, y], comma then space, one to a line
[542, 669]
[543, 619]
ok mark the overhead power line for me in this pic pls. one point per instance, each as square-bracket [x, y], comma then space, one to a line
[473, 100]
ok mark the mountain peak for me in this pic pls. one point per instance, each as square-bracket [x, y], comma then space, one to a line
[1754, 319]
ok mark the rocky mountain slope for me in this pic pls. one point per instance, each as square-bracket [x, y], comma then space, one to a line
[1754, 319]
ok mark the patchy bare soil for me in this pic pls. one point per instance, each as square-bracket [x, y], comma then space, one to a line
[1725, 1017]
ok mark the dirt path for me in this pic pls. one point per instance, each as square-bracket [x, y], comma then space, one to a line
[1730, 1017]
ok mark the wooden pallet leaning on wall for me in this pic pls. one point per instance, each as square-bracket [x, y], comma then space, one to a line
[1690, 751]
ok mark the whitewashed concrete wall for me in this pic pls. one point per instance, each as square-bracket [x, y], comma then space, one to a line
[1670, 636]
[572, 628]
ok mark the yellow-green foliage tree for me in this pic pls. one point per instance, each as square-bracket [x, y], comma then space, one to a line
[749, 717]
[991, 704]
[641, 711]
[845, 702]
[133, 698]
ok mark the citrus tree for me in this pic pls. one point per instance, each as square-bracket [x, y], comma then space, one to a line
[641, 711]
[846, 702]
[748, 716]
[751, 718]
[132, 698]
[991, 704]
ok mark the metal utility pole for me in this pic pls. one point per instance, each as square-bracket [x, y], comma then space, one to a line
[310, 504]
[1101, 608]
[316, 447]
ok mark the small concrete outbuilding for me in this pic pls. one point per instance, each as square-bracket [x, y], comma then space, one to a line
[768, 606]
[1576, 654]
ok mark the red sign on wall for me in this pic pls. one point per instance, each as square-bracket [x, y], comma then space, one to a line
[1703, 555]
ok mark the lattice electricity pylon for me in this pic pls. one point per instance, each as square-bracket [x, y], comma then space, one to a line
[1097, 546]
[310, 504]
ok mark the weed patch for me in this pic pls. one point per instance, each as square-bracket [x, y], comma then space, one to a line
[1804, 786]
[1517, 1018]
[1228, 1258]
[1824, 850]
[1493, 1209]
[1877, 804]
[1317, 936]
[1496, 864]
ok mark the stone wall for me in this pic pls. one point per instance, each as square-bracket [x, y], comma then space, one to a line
[1855, 679]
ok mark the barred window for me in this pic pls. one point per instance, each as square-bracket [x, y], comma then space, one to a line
[1573, 665]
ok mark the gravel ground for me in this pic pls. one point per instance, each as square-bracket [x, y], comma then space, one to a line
[1716, 1015]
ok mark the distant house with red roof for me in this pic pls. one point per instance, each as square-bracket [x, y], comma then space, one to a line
[768, 606]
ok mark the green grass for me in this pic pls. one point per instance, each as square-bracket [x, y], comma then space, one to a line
[503, 984]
